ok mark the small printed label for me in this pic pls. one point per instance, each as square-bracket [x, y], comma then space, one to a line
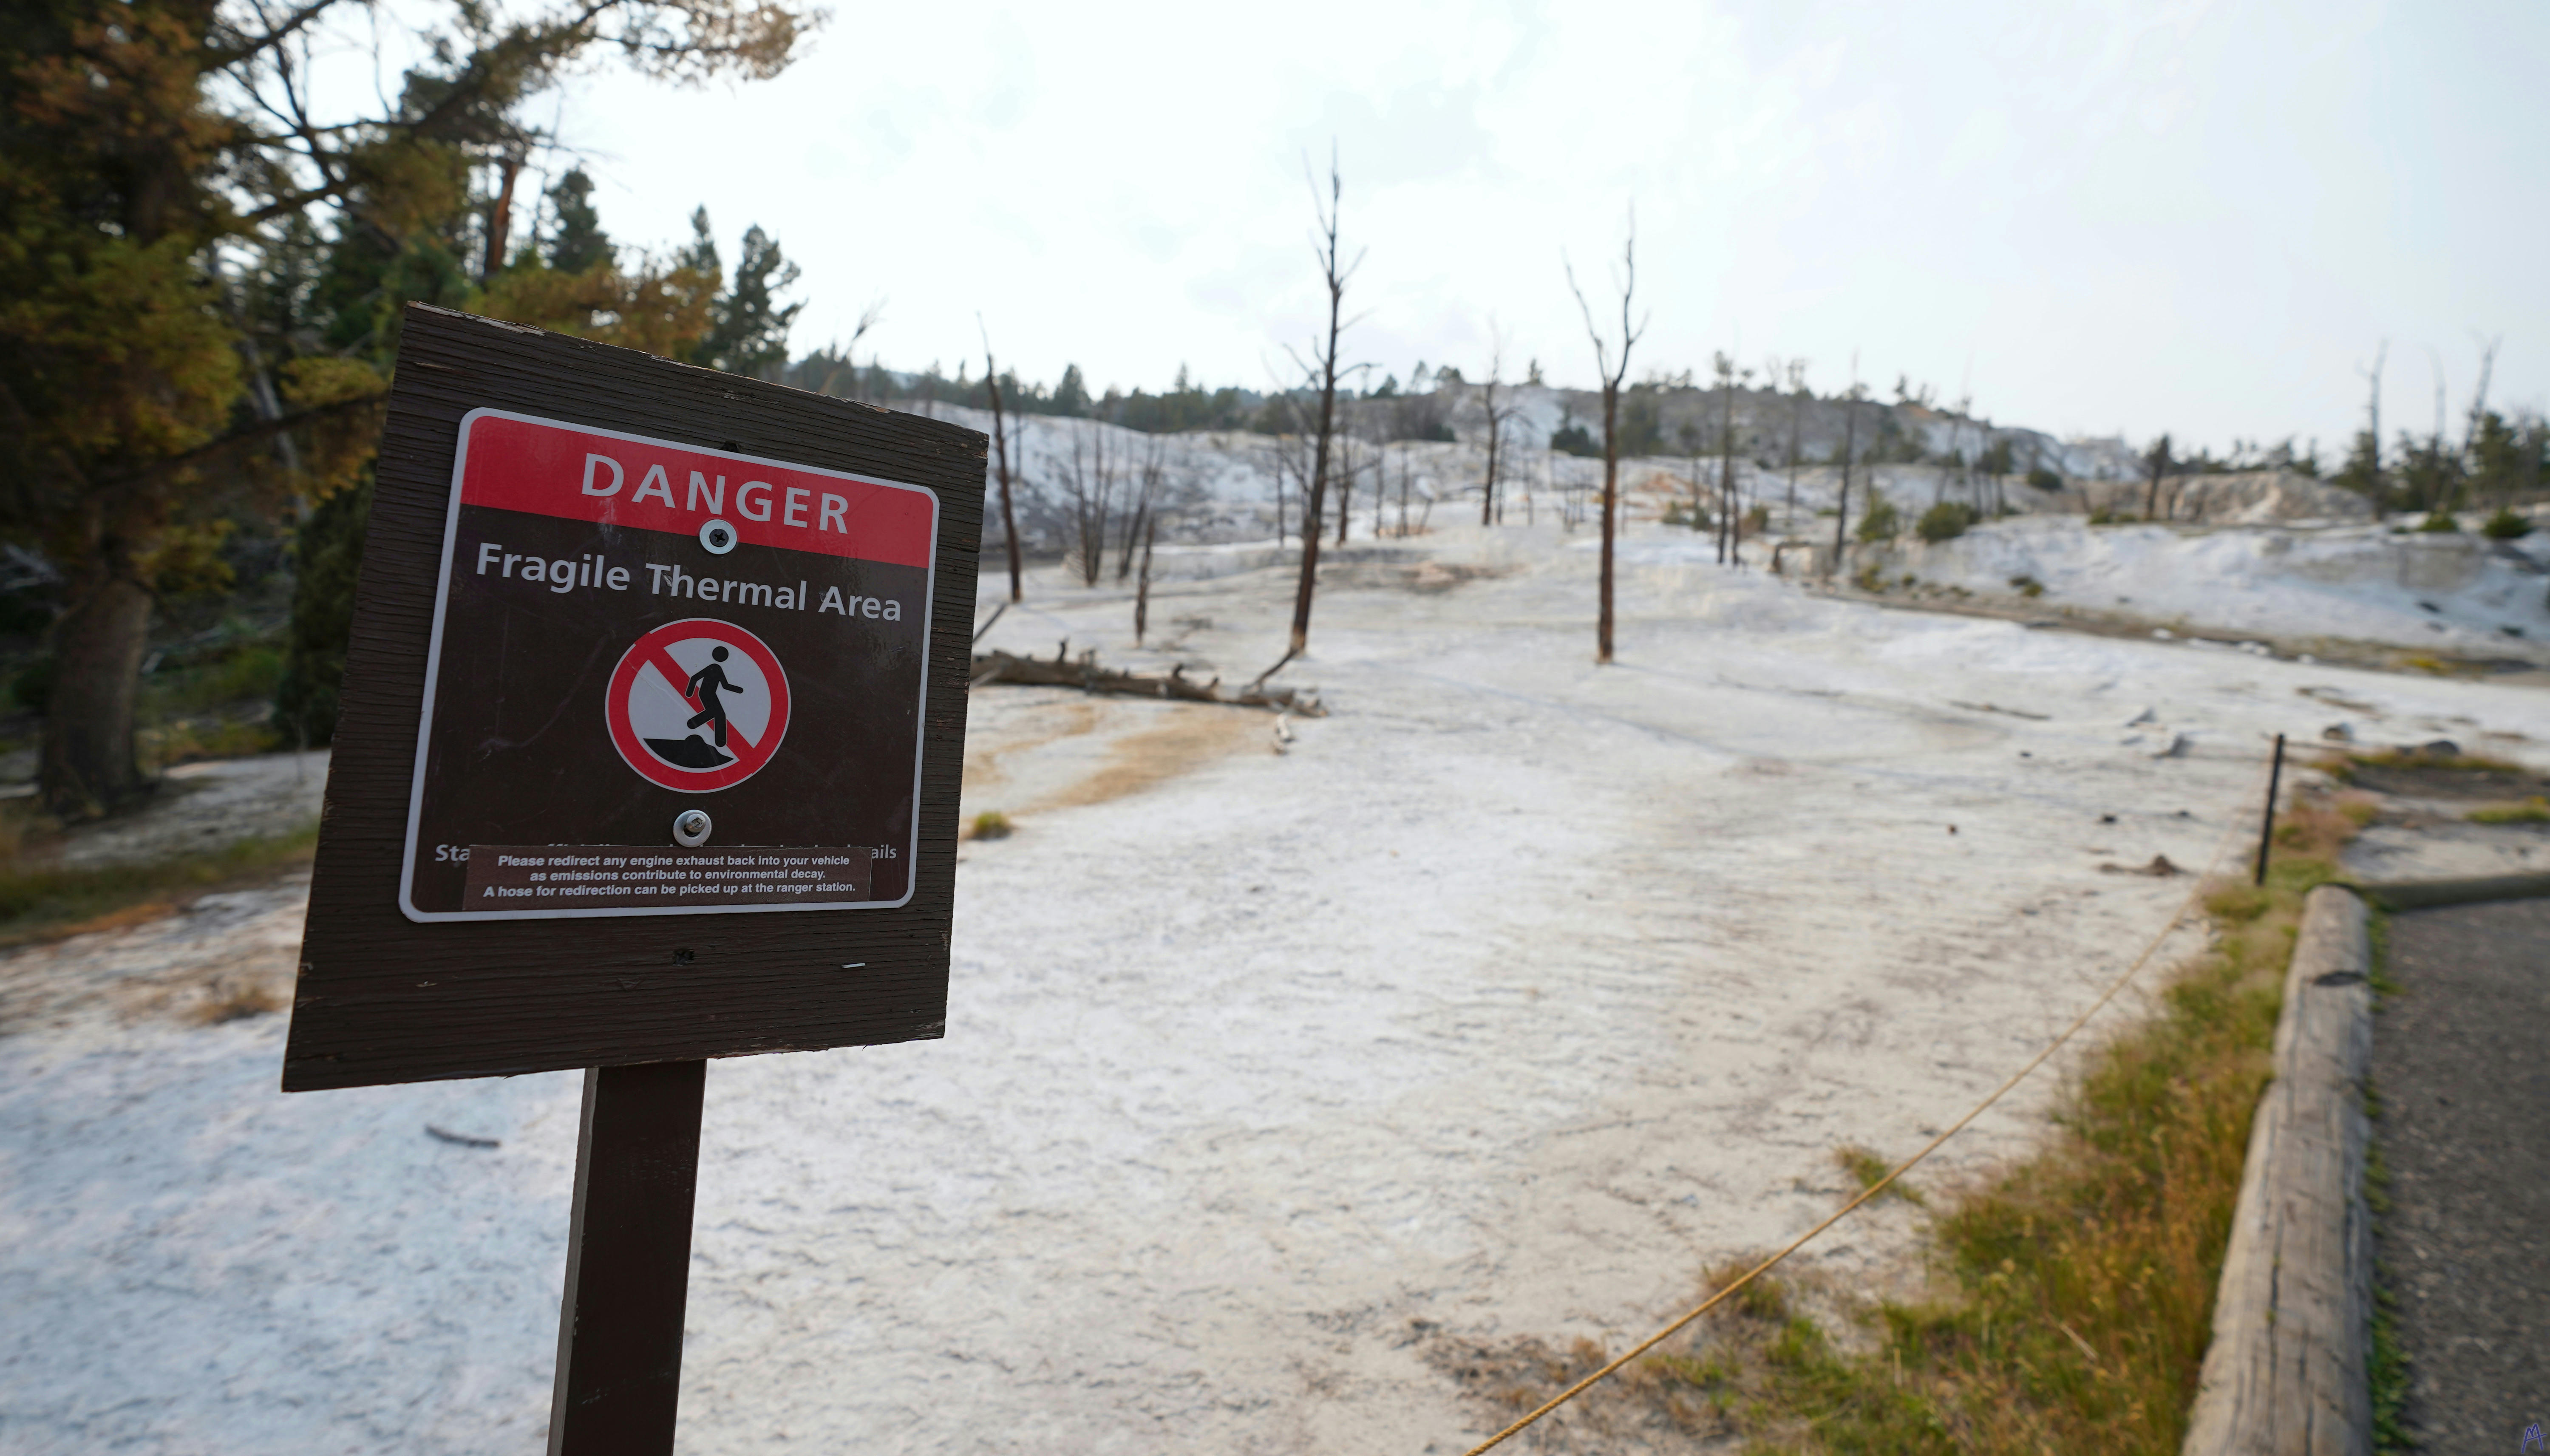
[556, 877]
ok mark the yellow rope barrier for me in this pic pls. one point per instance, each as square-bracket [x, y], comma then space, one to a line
[1881, 1185]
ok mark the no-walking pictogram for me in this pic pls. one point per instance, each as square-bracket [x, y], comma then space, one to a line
[697, 704]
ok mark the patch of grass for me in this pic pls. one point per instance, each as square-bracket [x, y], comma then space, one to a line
[2073, 1294]
[2532, 810]
[45, 902]
[1866, 1167]
[990, 825]
[2345, 770]
[188, 740]
[246, 674]
[2387, 1371]
[2027, 586]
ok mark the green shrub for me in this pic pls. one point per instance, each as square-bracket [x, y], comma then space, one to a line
[2027, 586]
[992, 825]
[2533, 811]
[1879, 523]
[2438, 524]
[2505, 526]
[2044, 479]
[1945, 522]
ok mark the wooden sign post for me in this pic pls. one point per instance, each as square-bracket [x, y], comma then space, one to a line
[649, 753]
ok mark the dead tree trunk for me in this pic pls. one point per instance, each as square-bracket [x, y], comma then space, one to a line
[1849, 447]
[2157, 461]
[1090, 486]
[1402, 494]
[1142, 585]
[1612, 373]
[1345, 488]
[1726, 382]
[1495, 423]
[1796, 423]
[1001, 457]
[1334, 275]
[1153, 473]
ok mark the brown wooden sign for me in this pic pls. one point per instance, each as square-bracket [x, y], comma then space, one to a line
[653, 722]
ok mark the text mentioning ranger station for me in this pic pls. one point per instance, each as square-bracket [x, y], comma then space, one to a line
[627, 628]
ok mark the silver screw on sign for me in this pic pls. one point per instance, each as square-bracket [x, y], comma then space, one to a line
[718, 536]
[691, 828]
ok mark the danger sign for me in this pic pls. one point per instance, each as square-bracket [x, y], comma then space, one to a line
[628, 630]
[716, 667]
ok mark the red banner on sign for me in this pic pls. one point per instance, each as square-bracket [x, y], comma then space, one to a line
[518, 464]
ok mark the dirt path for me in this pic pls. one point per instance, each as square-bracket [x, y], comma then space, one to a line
[2462, 1058]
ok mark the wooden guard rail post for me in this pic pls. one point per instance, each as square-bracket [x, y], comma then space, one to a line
[2287, 1372]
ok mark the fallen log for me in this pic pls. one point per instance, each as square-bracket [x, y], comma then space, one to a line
[1084, 673]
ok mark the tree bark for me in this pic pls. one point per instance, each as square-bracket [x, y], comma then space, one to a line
[1612, 373]
[1726, 469]
[1143, 587]
[88, 763]
[1001, 453]
[1849, 447]
[1316, 499]
[1610, 499]
[1345, 490]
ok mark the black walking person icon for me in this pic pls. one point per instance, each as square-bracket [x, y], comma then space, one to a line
[682, 676]
[703, 688]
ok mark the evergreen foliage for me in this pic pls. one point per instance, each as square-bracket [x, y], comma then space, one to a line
[1944, 521]
[197, 305]
[329, 552]
[1879, 523]
[576, 243]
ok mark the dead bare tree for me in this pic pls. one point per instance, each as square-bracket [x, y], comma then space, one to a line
[1088, 482]
[2440, 483]
[1150, 482]
[2478, 396]
[1402, 493]
[1334, 273]
[1142, 585]
[1346, 468]
[1497, 417]
[2156, 462]
[999, 455]
[1730, 543]
[1611, 372]
[1694, 442]
[2373, 425]
[1796, 423]
[1280, 456]
[1381, 484]
[1849, 447]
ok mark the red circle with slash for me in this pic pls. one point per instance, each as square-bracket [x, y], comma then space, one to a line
[697, 704]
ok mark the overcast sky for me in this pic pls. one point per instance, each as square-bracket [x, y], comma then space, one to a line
[2194, 218]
